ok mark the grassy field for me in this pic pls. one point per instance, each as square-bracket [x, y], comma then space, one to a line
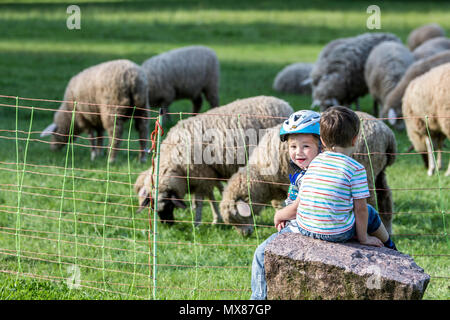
[60, 210]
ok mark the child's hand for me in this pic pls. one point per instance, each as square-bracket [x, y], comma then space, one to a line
[278, 222]
[372, 241]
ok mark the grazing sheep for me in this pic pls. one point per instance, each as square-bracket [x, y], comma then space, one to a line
[384, 68]
[183, 73]
[429, 96]
[338, 77]
[294, 79]
[208, 148]
[424, 33]
[431, 47]
[393, 105]
[269, 170]
[103, 93]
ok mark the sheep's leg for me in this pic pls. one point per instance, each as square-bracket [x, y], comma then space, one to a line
[197, 204]
[431, 164]
[197, 104]
[217, 218]
[93, 139]
[384, 200]
[212, 95]
[141, 125]
[99, 142]
[375, 108]
[115, 133]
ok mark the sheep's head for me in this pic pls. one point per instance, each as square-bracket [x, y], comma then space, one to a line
[59, 130]
[239, 214]
[328, 90]
[392, 109]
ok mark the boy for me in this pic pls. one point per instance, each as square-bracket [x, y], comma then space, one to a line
[301, 131]
[332, 199]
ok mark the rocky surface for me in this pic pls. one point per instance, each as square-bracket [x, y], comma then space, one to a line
[299, 267]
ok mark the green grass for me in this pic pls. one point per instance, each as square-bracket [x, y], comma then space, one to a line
[96, 227]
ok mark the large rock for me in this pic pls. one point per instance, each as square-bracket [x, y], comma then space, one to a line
[299, 267]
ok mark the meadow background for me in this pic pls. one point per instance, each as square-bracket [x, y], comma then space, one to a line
[59, 209]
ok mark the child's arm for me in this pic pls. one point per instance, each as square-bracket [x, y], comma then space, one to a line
[361, 216]
[287, 213]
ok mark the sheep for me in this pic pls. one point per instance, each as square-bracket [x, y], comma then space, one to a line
[338, 77]
[294, 79]
[269, 170]
[426, 107]
[385, 66]
[183, 73]
[431, 47]
[222, 128]
[424, 33]
[393, 105]
[105, 94]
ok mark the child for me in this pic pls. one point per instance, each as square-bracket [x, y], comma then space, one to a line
[301, 131]
[332, 199]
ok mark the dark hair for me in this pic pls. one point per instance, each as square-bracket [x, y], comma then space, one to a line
[338, 126]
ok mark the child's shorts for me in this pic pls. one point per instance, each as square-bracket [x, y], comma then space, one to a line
[373, 224]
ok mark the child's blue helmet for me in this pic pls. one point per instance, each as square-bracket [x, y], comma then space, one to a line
[303, 121]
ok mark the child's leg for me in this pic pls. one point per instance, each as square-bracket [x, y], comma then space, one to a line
[376, 228]
[258, 280]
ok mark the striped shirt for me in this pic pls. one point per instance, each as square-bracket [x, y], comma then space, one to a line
[327, 191]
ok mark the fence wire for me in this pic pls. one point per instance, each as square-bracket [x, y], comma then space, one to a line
[73, 221]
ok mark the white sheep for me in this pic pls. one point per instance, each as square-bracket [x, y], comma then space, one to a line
[209, 148]
[183, 73]
[424, 33]
[426, 108]
[266, 178]
[384, 68]
[106, 95]
[294, 79]
[393, 102]
[338, 76]
[431, 47]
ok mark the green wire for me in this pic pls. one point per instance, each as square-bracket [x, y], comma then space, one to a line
[370, 163]
[155, 201]
[188, 152]
[19, 185]
[131, 205]
[248, 178]
[106, 200]
[439, 180]
[72, 123]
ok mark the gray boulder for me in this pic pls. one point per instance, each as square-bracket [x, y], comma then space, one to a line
[299, 267]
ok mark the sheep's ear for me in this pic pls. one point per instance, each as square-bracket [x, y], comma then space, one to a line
[144, 204]
[315, 103]
[392, 115]
[243, 208]
[178, 203]
[49, 130]
[306, 82]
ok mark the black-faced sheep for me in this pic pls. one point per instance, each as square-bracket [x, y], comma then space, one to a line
[294, 79]
[426, 108]
[393, 105]
[338, 77]
[384, 68]
[183, 73]
[424, 33]
[209, 148]
[104, 93]
[266, 178]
